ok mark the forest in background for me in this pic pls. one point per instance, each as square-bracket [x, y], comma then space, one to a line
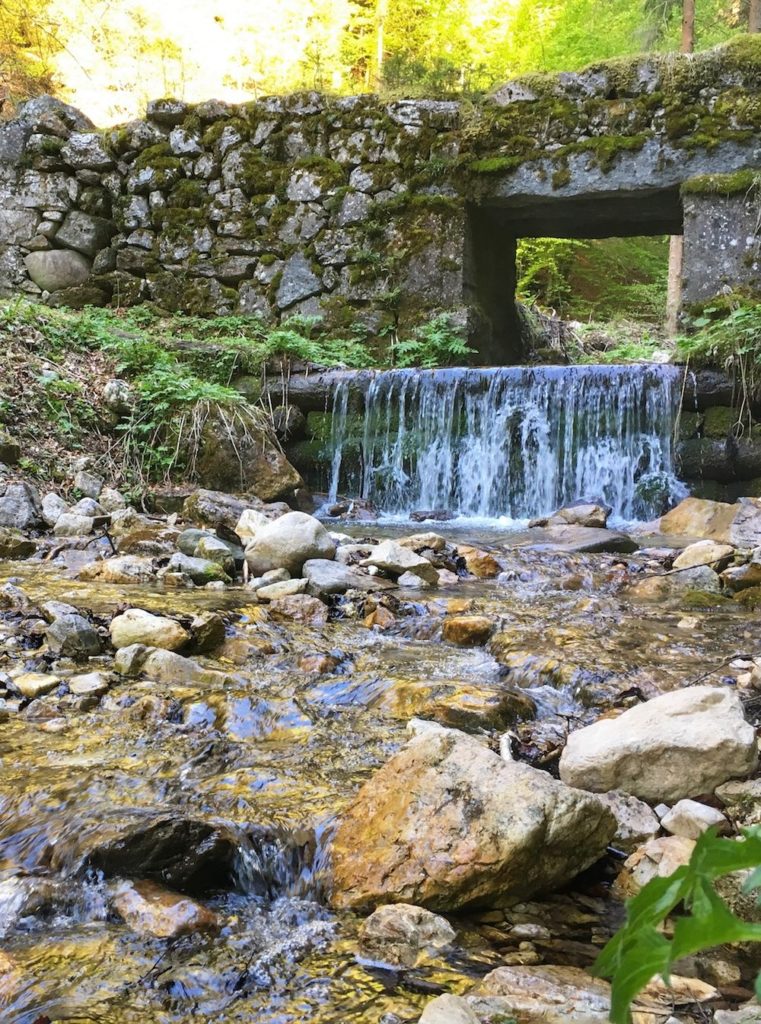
[109, 57]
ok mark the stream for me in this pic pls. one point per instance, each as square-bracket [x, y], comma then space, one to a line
[268, 756]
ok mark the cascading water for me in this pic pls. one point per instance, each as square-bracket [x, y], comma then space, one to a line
[515, 441]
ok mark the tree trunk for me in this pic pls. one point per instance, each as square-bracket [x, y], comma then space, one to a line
[676, 242]
[380, 42]
[754, 16]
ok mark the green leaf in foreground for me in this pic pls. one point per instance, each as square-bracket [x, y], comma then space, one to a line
[640, 951]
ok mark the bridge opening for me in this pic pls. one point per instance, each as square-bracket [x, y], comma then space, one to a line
[497, 230]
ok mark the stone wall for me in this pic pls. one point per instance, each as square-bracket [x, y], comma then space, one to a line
[378, 213]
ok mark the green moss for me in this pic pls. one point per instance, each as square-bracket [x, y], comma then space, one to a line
[718, 421]
[213, 133]
[158, 156]
[750, 597]
[50, 145]
[261, 176]
[723, 184]
[561, 177]
[187, 194]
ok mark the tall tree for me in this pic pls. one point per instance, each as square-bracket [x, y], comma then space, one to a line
[754, 16]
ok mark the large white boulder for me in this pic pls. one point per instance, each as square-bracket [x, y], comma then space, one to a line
[680, 744]
[136, 626]
[393, 558]
[287, 543]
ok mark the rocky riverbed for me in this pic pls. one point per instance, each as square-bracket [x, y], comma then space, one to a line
[258, 766]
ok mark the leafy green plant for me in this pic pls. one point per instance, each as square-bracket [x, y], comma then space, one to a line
[436, 343]
[642, 949]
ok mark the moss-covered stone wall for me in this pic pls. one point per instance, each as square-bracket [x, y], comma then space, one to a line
[356, 209]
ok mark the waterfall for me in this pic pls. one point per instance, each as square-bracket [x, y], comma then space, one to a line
[516, 442]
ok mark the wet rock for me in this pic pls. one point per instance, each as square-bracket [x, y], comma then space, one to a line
[150, 909]
[421, 541]
[636, 823]
[207, 632]
[70, 524]
[742, 577]
[542, 995]
[286, 588]
[380, 618]
[214, 508]
[319, 664]
[13, 544]
[690, 819]
[578, 539]
[705, 552]
[34, 684]
[72, 636]
[288, 543]
[53, 506]
[580, 513]
[186, 854]
[20, 507]
[471, 707]
[409, 581]
[300, 608]
[446, 824]
[12, 978]
[700, 579]
[122, 569]
[467, 630]
[401, 935]
[200, 570]
[658, 858]
[325, 576]
[480, 564]
[438, 515]
[391, 557]
[677, 745]
[136, 626]
[289, 422]
[163, 666]
[90, 684]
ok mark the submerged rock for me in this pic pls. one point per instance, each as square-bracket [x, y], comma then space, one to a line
[446, 824]
[13, 544]
[467, 630]
[34, 684]
[578, 539]
[400, 935]
[580, 513]
[677, 745]
[123, 569]
[150, 909]
[300, 608]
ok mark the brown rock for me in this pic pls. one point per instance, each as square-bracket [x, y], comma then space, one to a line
[320, 664]
[446, 824]
[479, 563]
[300, 608]
[467, 630]
[401, 935]
[149, 909]
[543, 995]
[380, 617]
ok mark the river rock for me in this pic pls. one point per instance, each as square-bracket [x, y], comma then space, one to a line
[400, 935]
[215, 550]
[163, 666]
[13, 544]
[446, 823]
[149, 909]
[20, 507]
[200, 570]
[214, 509]
[88, 484]
[135, 626]
[89, 684]
[207, 632]
[325, 576]
[738, 524]
[288, 543]
[657, 858]
[409, 581]
[395, 559]
[481, 564]
[699, 579]
[580, 513]
[742, 577]
[705, 552]
[467, 630]
[677, 745]
[35, 684]
[285, 588]
[690, 819]
[636, 822]
[250, 522]
[448, 1010]
[579, 539]
[70, 524]
[53, 506]
[473, 708]
[86, 507]
[300, 608]
[542, 995]
[72, 636]
[122, 569]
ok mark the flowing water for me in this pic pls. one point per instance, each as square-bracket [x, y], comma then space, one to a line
[267, 756]
[515, 442]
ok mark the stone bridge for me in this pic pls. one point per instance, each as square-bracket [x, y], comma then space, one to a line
[384, 214]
